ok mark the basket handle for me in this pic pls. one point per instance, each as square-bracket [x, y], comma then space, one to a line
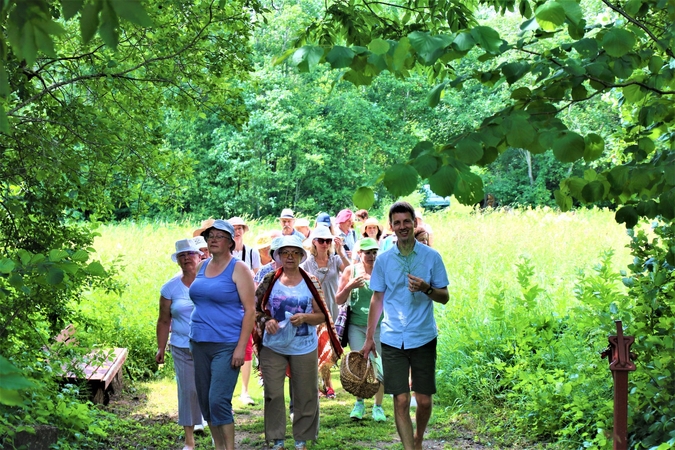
[365, 372]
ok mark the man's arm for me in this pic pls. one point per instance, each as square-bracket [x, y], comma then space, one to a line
[439, 295]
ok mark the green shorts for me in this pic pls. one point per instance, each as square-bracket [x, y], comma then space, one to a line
[419, 363]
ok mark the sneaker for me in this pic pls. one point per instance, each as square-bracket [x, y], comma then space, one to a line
[358, 410]
[246, 399]
[330, 393]
[200, 427]
[413, 402]
[291, 415]
[278, 446]
[378, 414]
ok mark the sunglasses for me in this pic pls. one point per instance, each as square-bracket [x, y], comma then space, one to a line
[323, 241]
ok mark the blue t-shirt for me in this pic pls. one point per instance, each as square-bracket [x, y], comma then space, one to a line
[181, 309]
[218, 312]
[293, 299]
[408, 316]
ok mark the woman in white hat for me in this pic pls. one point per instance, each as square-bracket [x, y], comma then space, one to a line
[326, 265]
[289, 306]
[175, 308]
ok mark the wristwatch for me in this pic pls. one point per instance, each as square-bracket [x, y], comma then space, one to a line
[429, 291]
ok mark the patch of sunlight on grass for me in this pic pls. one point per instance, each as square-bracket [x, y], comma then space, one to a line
[162, 397]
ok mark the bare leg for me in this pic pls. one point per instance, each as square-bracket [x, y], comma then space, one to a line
[403, 422]
[424, 406]
[223, 436]
[379, 395]
[189, 438]
[245, 377]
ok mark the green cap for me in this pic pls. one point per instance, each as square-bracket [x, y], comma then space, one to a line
[368, 244]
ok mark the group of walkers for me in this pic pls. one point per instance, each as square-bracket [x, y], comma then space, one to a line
[279, 301]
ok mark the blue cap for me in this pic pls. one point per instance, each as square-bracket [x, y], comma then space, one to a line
[222, 225]
[323, 219]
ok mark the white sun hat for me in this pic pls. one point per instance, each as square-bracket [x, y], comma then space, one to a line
[185, 245]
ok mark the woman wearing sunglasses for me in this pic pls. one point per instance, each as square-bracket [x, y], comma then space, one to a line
[326, 262]
[175, 308]
[289, 307]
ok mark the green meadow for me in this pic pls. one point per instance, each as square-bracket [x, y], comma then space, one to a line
[517, 338]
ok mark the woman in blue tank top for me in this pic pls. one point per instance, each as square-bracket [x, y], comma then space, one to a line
[220, 326]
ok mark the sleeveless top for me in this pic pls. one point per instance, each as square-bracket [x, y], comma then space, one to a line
[218, 312]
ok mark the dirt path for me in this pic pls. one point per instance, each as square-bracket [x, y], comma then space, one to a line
[249, 426]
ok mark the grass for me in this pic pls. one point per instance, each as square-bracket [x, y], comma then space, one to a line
[480, 251]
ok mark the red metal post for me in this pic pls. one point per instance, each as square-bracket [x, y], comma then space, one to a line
[618, 354]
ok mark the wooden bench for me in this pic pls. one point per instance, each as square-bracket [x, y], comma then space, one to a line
[100, 368]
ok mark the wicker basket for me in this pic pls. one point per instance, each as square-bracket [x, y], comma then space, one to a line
[357, 375]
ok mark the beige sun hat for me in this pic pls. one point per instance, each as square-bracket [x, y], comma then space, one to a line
[208, 223]
[234, 221]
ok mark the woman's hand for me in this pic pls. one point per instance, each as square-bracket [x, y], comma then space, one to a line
[272, 326]
[159, 357]
[356, 282]
[238, 357]
[338, 245]
[298, 319]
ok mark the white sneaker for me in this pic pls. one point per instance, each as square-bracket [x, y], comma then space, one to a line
[246, 399]
[413, 402]
[291, 416]
[200, 427]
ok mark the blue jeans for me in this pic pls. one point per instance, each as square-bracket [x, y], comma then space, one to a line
[215, 380]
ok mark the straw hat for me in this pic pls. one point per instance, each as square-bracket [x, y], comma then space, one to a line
[208, 223]
[370, 222]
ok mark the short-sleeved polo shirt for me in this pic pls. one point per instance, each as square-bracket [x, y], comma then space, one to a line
[408, 316]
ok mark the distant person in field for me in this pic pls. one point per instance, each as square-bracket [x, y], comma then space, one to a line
[302, 226]
[355, 288]
[175, 308]
[344, 221]
[323, 219]
[361, 215]
[406, 281]
[371, 228]
[422, 236]
[200, 242]
[220, 327]
[420, 223]
[489, 201]
[326, 262]
[287, 220]
[264, 243]
[249, 256]
[291, 294]
[199, 239]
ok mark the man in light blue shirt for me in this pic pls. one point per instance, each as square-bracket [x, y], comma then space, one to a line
[406, 280]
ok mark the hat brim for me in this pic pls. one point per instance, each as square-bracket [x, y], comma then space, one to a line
[274, 254]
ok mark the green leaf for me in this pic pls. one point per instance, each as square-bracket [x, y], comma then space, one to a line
[379, 46]
[464, 42]
[4, 123]
[627, 215]
[44, 42]
[71, 8]
[15, 280]
[655, 64]
[633, 93]
[400, 180]
[357, 78]
[9, 397]
[563, 201]
[96, 269]
[56, 255]
[469, 188]
[307, 57]
[434, 97]
[617, 42]
[550, 15]
[429, 47]
[515, 71]
[426, 165]
[443, 182]
[132, 10]
[109, 29]
[80, 255]
[572, 10]
[469, 149]
[587, 48]
[487, 38]
[593, 191]
[339, 57]
[28, 44]
[594, 146]
[364, 197]
[89, 20]
[400, 54]
[579, 92]
[568, 147]
[6, 265]
[519, 131]
[420, 148]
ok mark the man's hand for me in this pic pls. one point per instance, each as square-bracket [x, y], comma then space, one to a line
[416, 284]
[368, 348]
